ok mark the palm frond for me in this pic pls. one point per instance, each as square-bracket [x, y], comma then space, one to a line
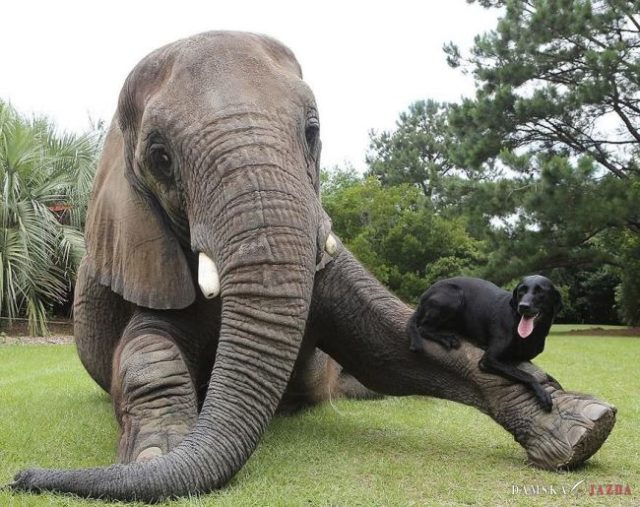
[41, 171]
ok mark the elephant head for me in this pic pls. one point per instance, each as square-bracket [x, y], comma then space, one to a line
[212, 159]
[209, 182]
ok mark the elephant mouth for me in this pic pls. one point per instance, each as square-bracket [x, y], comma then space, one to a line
[209, 276]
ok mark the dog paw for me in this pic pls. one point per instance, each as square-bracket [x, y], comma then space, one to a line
[455, 342]
[449, 341]
[416, 345]
[545, 400]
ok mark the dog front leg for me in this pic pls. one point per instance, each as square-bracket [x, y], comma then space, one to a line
[490, 364]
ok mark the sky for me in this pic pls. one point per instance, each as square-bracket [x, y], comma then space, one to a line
[365, 61]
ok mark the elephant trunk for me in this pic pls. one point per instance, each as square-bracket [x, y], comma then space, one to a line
[265, 249]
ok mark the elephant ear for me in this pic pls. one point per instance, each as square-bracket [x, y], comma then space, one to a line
[129, 246]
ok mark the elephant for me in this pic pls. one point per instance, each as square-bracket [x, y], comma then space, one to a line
[213, 290]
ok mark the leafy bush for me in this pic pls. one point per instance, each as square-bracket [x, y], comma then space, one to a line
[46, 180]
[397, 235]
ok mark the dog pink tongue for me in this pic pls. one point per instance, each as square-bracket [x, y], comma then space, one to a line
[525, 328]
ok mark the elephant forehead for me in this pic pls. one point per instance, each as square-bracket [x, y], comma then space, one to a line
[233, 63]
[237, 50]
[229, 102]
[216, 74]
[212, 89]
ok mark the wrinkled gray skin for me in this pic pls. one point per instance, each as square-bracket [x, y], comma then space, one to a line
[215, 149]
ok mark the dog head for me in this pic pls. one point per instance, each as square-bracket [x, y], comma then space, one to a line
[536, 300]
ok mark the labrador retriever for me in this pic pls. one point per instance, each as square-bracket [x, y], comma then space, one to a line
[510, 327]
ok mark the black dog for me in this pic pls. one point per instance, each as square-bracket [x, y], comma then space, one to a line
[509, 327]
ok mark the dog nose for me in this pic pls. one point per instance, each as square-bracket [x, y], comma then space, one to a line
[523, 307]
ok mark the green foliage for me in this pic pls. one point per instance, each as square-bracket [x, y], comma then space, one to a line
[628, 294]
[556, 215]
[396, 233]
[541, 166]
[418, 152]
[546, 213]
[561, 75]
[46, 180]
[588, 294]
[557, 108]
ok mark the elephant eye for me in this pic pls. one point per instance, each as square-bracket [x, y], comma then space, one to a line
[160, 160]
[311, 134]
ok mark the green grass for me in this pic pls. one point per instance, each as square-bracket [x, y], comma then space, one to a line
[563, 328]
[395, 452]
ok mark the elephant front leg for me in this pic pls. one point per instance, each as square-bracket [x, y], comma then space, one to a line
[572, 431]
[153, 396]
[361, 325]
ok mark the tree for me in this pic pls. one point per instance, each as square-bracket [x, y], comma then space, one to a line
[561, 75]
[396, 234]
[418, 152]
[556, 217]
[558, 108]
[628, 292]
[45, 180]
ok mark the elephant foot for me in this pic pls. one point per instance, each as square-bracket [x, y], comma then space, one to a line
[573, 432]
[318, 379]
[148, 454]
[153, 396]
[564, 438]
[143, 443]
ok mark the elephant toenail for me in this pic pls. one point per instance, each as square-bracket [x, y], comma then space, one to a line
[148, 454]
[575, 434]
[595, 411]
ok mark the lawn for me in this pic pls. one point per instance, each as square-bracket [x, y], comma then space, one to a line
[400, 452]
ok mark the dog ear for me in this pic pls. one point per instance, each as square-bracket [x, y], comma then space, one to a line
[514, 298]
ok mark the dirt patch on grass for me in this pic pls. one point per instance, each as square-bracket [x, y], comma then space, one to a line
[598, 331]
[57, 327]
[60, 332]
[36, 340]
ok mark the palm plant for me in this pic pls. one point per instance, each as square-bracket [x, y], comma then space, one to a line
[45, 181]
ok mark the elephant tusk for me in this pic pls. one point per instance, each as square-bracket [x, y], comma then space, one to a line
[208, 278]
[331, 246]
